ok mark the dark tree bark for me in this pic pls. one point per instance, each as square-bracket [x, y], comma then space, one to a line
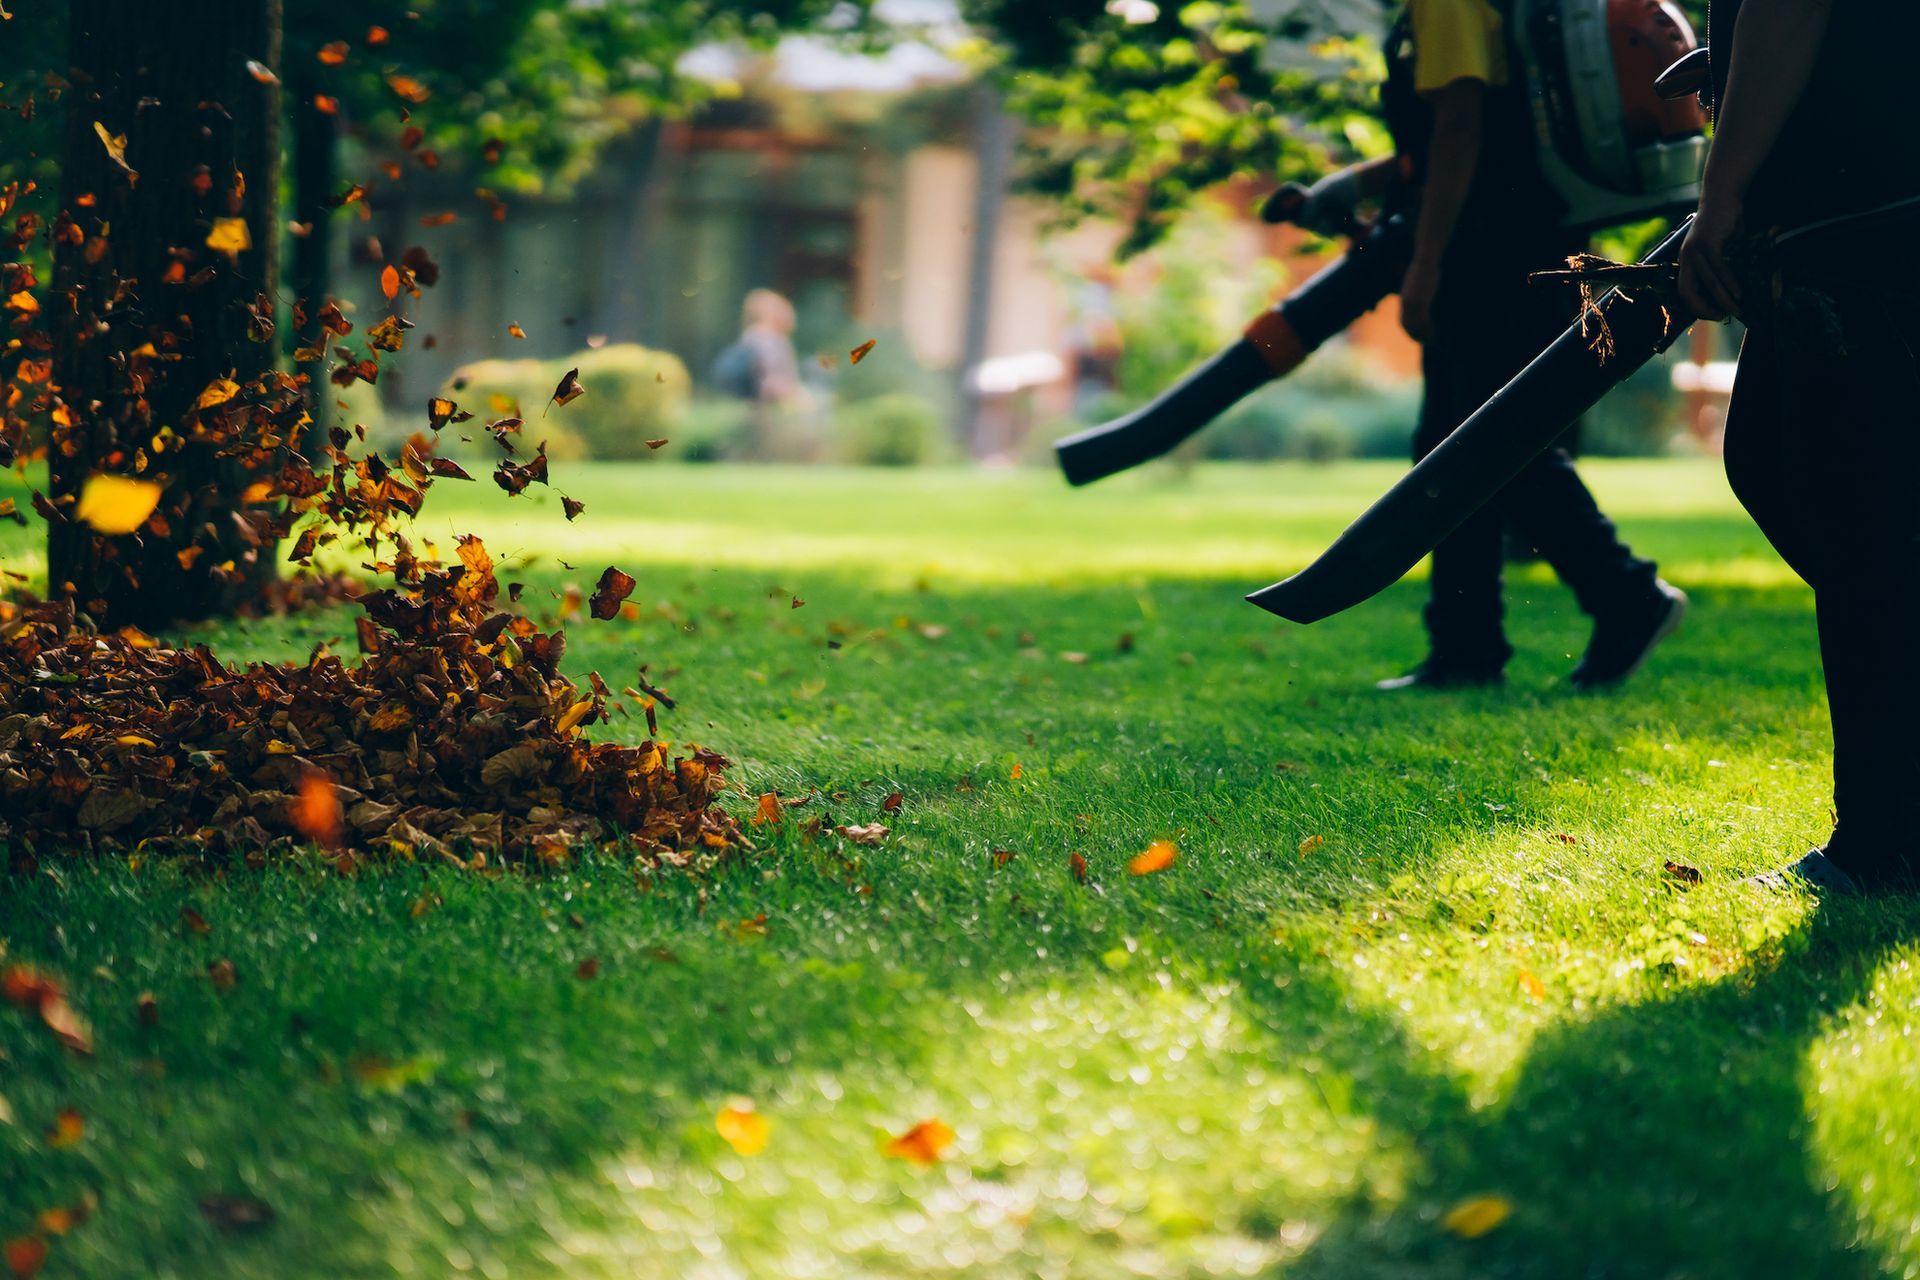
[316, 172]
[148, 312]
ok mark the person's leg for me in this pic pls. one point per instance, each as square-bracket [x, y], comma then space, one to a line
[1463, 613]
[1857, 414]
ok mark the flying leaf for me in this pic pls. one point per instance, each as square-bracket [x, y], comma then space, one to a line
[261, 72]
[658, 444]
[333, 53]
[217, 393]
[569, 389]
[1471, 1219]
[409, 88]
[326, 105]
[116, 504]
[859, 353]
[116, 145]
[614, 586]
[923, 1144]
[1159, 855]
[744, 1128]
[515, 331]
[230, 236]
[572, 507]
[376, 36]
[390, 282]
[316, 810]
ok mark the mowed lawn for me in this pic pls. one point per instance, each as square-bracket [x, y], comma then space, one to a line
[1417, 951]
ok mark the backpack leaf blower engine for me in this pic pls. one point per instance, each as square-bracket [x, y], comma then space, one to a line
[1609, 145]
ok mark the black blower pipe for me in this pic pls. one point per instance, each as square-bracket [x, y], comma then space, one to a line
[1488, 450]
[1274, 345]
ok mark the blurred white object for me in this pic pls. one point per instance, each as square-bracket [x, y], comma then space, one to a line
[1714, 378]
[1134, 12]
[1010, 375]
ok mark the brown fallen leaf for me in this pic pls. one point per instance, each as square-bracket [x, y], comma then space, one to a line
[193, 921]
[923, 1144]
[1078, 865]
[37, 993]
[1687, 876]
[1312, 844]
[222, 974]
[588, 969]
[871, 833]
[235, 1214]
[661, 443]
[146, 1009]
[893, 802]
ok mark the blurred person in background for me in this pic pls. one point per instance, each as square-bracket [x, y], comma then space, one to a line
[1816, 129]
[762, 368]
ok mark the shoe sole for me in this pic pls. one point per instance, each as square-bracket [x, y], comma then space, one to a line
[1670, 624]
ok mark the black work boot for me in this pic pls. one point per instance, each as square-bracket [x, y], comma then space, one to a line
[1812, 871]
[1624, 638]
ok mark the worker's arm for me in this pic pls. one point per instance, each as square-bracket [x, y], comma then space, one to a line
[1459, 126]
[1775, 46]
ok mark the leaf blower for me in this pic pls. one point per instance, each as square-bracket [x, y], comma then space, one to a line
[1610, 146]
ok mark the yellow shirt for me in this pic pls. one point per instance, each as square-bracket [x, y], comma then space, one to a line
[1457, 40]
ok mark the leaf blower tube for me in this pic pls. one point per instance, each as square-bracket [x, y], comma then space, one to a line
[1488, 450]
[1273, 346]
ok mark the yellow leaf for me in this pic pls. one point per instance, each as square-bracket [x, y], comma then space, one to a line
[133, 740]
[574, 715]
[1471, 1219]
[1535, 988]
[1160, 855]
[923, 1144]
[23, 302]
[744, 1128]
[219, 391]
[117, 504]
[230, 236]
[1310, 844]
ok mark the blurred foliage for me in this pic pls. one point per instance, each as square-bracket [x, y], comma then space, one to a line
[633, 395]
[1144, 105]
[898, 429]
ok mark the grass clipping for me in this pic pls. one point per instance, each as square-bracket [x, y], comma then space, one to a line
[454, 738]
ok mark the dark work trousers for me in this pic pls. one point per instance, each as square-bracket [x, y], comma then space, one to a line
[1488, 324]
[1823, 448]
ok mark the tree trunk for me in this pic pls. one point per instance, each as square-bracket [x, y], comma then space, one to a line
[993, 142]
[316, 169]
[150, 313]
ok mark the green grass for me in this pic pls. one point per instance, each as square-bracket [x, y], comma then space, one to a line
[1263, 1061]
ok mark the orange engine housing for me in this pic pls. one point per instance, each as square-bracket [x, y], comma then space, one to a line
[1648, 37]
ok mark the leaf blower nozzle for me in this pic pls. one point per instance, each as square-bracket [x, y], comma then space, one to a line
[1273, 346]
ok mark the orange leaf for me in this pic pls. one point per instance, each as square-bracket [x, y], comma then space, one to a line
[409, 88]
[25, 1256]
[1310, 844]
[769, 811]
[515, 331]
[316, 810]
[68, 1128]
[1078, 865]
[390, 282]
[1160, 855]
[1535, 989]
[923, 1144]
[859, 353]
[744, 1128]
[333, 53]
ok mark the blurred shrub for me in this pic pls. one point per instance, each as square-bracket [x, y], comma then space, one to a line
[895, 430]
[889, 369]
[1335, 406]
[633, 394]
[712, 429]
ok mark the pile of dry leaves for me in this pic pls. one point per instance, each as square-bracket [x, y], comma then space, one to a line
[456, 737]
